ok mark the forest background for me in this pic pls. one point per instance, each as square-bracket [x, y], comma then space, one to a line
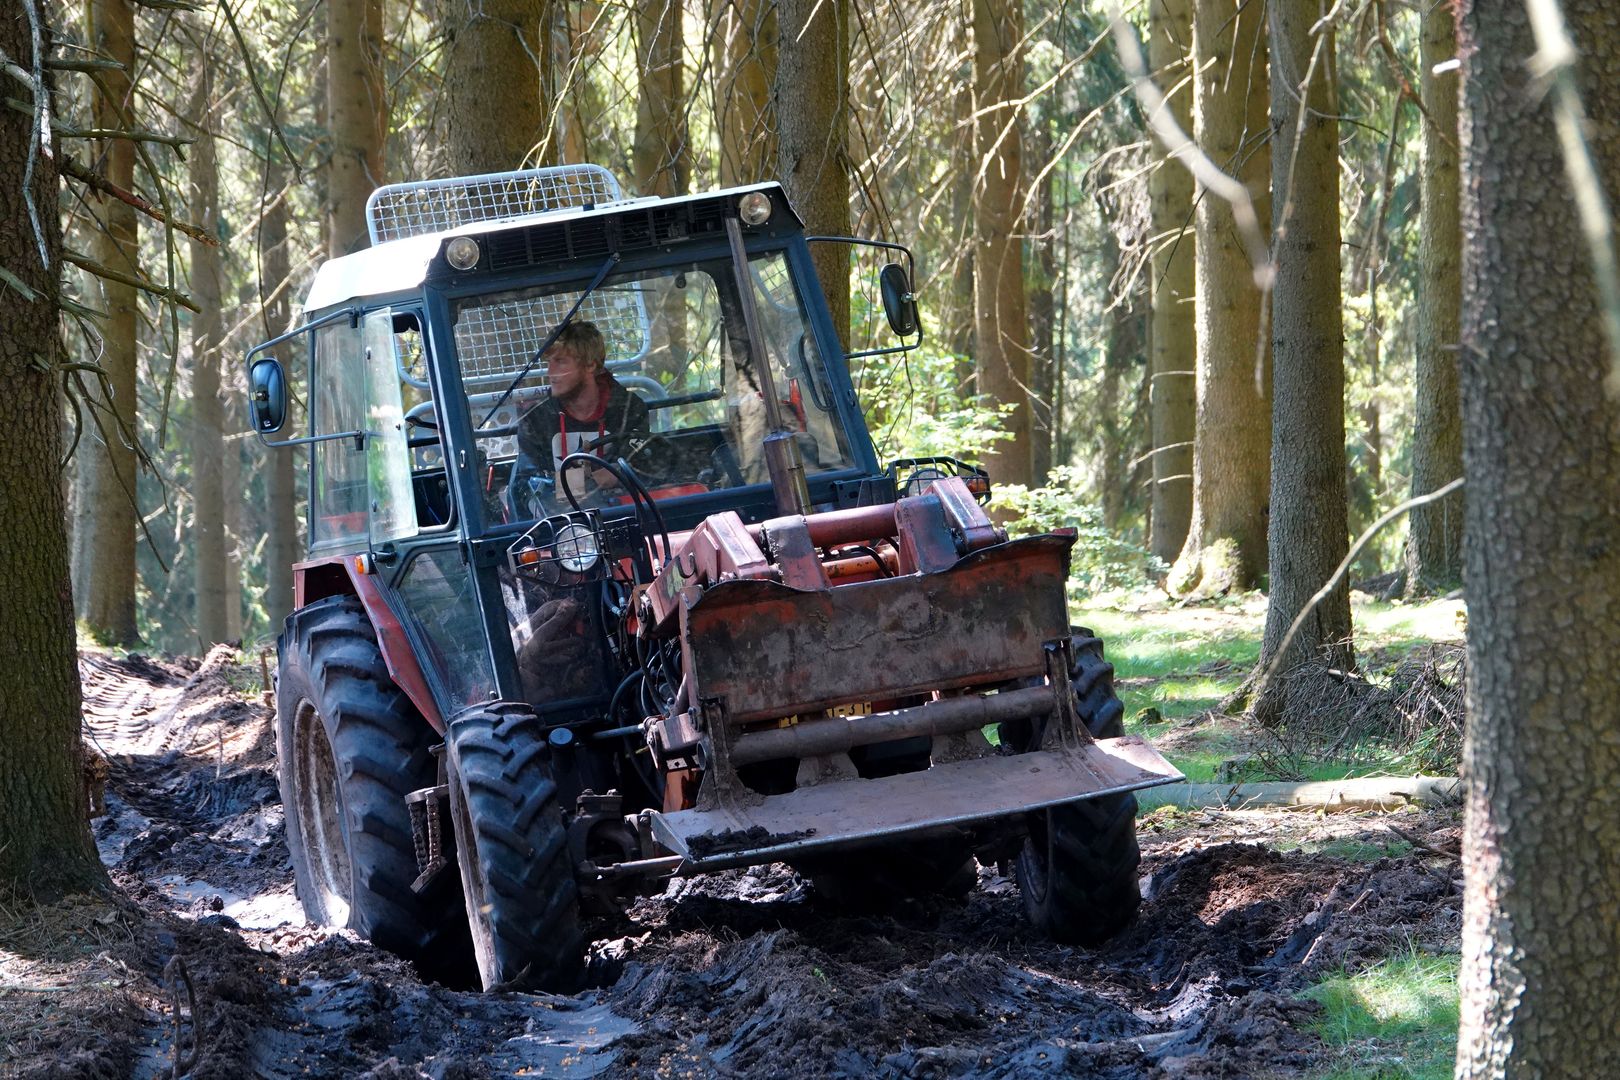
[1004, 143]
[1218, 382]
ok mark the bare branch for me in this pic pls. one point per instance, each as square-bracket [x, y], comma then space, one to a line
[1338, 576]
[258, 91]
[1177, 145]
[100, 133]
[71, 167]
[84, 262]
[15, 282]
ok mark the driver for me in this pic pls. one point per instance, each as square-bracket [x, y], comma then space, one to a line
[585, 407]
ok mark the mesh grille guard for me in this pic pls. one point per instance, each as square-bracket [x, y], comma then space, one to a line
[396, 211]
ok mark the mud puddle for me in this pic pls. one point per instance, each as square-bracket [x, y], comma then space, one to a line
[746, 973]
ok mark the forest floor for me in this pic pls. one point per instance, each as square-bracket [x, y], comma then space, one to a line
[1268, 944]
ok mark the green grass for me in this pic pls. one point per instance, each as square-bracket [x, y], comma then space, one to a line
[1394, 1021]
[1348, 847]
[1179, 663]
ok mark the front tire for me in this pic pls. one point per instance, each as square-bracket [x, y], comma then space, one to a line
[1076, 870]
[349, 747]
[512, 844]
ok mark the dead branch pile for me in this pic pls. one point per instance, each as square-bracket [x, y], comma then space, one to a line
[1412, 721]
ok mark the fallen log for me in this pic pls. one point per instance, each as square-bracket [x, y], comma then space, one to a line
[1363, 793]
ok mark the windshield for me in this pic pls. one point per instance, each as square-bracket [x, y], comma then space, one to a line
[654, 369]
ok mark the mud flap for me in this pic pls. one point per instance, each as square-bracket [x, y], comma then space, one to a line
[826, 816]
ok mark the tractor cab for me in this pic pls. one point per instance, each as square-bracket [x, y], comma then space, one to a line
[427, 352]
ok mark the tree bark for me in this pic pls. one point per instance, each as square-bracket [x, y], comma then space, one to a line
[1173, 333]
[1121, 349]
[357, 112]
[811, 104]
[1226, 538]
[1043, 285]
[45, 846]
[743, 46]
[1309, 533]
[207, 414]
[281, 547]
[1540, 983]
[1434, 543]
[496, 110]
[1000, 309]
[661, 158]
[231, 482]
[107, 461]
[577, 51]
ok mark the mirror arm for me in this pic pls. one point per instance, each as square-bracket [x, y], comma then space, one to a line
[911, 274]
[359, 438]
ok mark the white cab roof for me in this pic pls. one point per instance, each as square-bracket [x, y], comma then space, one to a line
[401, 265]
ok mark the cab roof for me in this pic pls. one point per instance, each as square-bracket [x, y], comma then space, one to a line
[402, 265]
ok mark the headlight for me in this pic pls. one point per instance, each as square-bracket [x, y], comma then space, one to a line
[575, 548]
[461, 252]
[918, 481]
[754, 208]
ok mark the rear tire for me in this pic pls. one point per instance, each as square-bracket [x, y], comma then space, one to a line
[1076, 871]
[512, 844]
[349, 747]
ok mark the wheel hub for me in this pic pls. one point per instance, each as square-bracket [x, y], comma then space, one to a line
[320, 816]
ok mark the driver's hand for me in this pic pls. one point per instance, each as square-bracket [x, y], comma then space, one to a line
[602, 478]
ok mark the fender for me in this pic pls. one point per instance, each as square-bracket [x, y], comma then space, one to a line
[339, 575]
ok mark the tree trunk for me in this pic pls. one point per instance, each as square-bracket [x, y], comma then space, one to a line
[1226, 538]
[576, 53]
[661, 157]
[45, 845]
[743, 47]
[1042, 310]
[811, 105]
[1173, 334]
[231, 480]
[1000, 311]
[1122, 347]
[107, 455]
[1434, 544]
[207, 414]
[957, 312]
[357, 111]
[281, 547]
[1540, 983]
[1309, 531]
[496, 111]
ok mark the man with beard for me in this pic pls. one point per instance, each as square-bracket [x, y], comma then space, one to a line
[585, 407]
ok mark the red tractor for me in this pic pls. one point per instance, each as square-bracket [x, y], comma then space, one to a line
[565, 649]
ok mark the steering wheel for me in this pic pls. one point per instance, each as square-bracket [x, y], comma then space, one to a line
[658, 443]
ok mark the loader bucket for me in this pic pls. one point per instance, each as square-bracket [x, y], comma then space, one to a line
[758, 652]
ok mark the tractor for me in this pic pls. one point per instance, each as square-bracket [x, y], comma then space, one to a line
[515, 693]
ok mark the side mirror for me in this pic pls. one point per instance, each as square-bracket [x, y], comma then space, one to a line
[267, 395]
[899, 304]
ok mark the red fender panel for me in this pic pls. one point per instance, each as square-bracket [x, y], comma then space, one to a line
[335, 576]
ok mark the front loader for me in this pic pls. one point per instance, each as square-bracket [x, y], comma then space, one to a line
[512, 696]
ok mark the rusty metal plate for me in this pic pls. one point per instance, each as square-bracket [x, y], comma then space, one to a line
[769, 651]
[849, 811]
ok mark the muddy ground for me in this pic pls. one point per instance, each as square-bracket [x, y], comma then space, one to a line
[202, 945]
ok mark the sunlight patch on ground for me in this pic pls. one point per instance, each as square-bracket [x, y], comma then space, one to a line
[1397, 1019]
